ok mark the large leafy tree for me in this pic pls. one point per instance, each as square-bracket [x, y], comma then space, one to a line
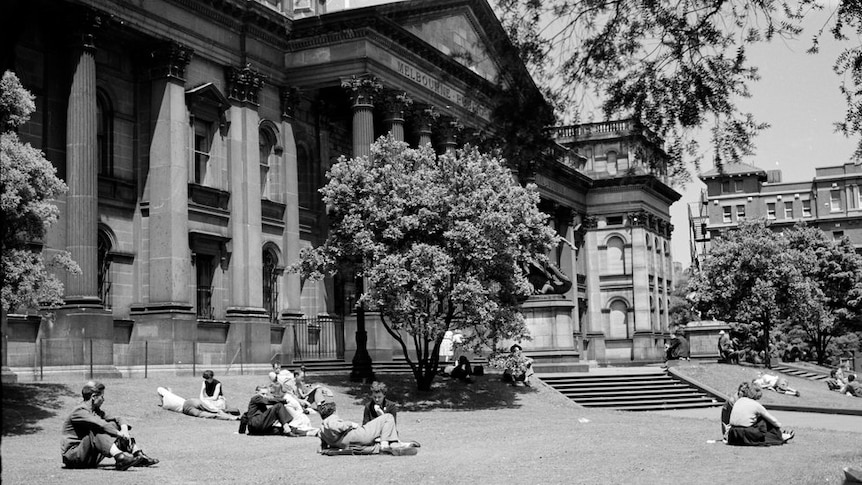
[443, 242]
[744, 279]
[828, 294]
[678, 66]
[797, 282]
[28, 183]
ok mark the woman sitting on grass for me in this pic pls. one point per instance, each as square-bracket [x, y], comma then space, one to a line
[751, 424]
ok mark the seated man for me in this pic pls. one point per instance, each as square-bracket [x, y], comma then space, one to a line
[90, 435]
[853, 387]
[264, 411]
[189, 407]
[376, 436]
[678, 349]
[379, 405]
[837, 380]
[726, 348]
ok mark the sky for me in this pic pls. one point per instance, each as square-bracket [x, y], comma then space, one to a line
[797, 95]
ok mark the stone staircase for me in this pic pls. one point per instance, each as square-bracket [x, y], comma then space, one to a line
[648, 390]
[810, 374]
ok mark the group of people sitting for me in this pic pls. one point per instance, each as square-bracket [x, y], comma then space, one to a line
[745, 422]
[844, 381]
[280, 407]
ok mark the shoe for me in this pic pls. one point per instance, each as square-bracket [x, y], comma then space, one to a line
[400, 450]
[144, 459]
[124, 461]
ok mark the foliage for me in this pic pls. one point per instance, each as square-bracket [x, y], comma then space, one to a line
[516, 363]
[28, 182]
[799, 280]
[443, 242]
[680, 308]
[676, 66]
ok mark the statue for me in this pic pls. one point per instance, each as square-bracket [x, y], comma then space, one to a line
[547, 279]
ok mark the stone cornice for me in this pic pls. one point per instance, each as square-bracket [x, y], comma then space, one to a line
[314, 32]
[262, 22]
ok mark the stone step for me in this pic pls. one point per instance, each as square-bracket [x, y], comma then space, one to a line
[592, 397]
[664, 387]
[657, 402]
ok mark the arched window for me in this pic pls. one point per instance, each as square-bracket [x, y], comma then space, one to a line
[104, 134]
[267, 147]
[270, 284]
[616, 256]
[104, 261]
[619, 320]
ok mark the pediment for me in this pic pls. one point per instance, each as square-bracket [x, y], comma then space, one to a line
[456, 34]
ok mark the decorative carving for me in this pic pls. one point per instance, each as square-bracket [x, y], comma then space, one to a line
[547, 279]
[395, 103]
[290, 98]
[169, 60]
[87, 24]
[589, 222]
[638, 219]
[243, 84]
[363, 89]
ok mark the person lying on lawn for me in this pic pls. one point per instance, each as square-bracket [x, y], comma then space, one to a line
[189, 407]
[376, 436]
[90, 435]
[751, 424]
[775, 383]
[264, 411]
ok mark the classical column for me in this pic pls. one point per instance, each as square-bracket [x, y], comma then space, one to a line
[249, 323]
[291, 284]
[82, 160]
[395, 102]
[363, 92]
[449, 129]
[169, 263]
[425, 117]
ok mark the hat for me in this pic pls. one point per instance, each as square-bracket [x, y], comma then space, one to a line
[92, 387]
[721, 332]
[323, 395]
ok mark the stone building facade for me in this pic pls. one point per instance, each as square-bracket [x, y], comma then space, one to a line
[831, 201]
[193, 137]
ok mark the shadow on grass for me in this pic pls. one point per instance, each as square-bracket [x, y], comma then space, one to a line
[485, 392]
[25, 405]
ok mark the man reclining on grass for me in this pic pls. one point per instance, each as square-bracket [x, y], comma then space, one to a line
[775, 383]
[189, 407]
[345, 437]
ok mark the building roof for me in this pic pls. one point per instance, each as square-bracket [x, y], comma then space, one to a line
[736, 168]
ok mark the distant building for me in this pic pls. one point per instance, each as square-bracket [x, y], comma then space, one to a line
[831, 201]
[194, 137]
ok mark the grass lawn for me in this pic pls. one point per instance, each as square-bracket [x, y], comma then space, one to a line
[726, 378]
[485, 432]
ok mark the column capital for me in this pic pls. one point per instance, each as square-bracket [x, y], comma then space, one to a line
[449, 128]
[639, 218]
[363, 89]
[169, 60]
[426, 116]
[590, 222]
[395, 103]
[290, 98]
[243, 84]
[86, 24]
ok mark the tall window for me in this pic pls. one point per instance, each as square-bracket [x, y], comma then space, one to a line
[726, 212]
[270, 285]
[267, 146]
[855, 197]
[104, 276]
[612, 162]
[770, 210]
[616, 256]
[740, 213]
[806, 208]
[737, 185]
[305, 175]
[202, 145]
[204, 270]
[619, 320]
[835, 200]
[725, 187]
[788, 210]
[104, 134]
